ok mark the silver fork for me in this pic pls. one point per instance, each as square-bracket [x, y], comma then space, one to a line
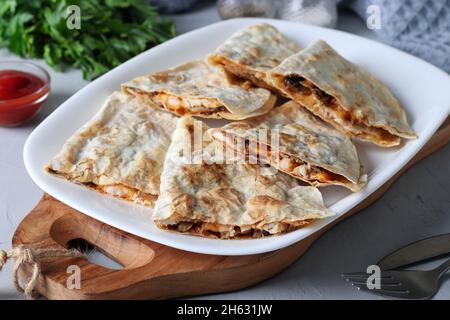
[406, 284]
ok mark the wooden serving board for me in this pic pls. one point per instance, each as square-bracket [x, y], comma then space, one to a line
[152, 270]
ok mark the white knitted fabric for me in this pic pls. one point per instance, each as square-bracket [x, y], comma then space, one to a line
[420, 27]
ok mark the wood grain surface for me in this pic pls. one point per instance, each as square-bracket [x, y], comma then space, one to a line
[152, 270]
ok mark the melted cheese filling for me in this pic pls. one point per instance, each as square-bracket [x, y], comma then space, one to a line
[193, 106]
[124, 192]
[314, 98]
[296, 167]
[116, 190]
[307, 172]
[222, 231]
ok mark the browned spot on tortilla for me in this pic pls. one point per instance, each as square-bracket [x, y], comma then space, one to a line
[264, 180]
[183, 204]
[163, 77]
[221, 199]
[264, 200]
[286, 139]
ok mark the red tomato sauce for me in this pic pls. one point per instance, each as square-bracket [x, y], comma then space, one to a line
[21, 95]
[16, 84]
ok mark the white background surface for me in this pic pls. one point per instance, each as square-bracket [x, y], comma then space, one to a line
[416, 205]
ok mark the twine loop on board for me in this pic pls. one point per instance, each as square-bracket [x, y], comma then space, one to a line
[26, 255]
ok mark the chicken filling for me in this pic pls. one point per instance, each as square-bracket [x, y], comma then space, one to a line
[310, 95]
[181, 105]
[241, 72]
[193, 106]
[115, 190]
[221, 231]
[294, 166]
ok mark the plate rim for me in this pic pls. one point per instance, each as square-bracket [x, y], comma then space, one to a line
[266, 244]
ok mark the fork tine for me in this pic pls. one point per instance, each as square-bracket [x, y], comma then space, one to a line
[390, 284]
[387, 282]
[403, 294]
[354, 274]
[357, 281]
[393, 287]
[363, 275]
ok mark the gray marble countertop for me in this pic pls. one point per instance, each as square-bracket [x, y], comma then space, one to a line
[416, 206]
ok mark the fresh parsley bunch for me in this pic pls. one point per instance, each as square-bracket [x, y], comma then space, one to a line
[111, 31]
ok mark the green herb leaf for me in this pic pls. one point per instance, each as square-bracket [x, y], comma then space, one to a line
[112, 31]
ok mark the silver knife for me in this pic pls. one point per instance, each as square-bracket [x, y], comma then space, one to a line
[416, 252]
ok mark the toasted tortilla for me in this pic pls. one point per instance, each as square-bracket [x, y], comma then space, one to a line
[305, 147]
[200, 196]
[120, 151]
[250, 53]
[199, 89]
[343, 94]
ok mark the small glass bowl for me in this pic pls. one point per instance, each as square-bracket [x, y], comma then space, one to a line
[16, 111]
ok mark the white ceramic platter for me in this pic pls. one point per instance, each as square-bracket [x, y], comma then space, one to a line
[422, 89]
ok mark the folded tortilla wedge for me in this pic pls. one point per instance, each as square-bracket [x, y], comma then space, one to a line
[120, 151]
[228, 200]
[343, 94]
[251, 52]
[299, 144]
[199, 89]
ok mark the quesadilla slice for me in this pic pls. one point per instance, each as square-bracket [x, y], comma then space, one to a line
[120, 151]
[250, 53]
[199, 89]
[203, 196]
[298, 144]
[343, 94]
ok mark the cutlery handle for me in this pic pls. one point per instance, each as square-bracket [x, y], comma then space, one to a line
[417, 251]
[443, 268]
